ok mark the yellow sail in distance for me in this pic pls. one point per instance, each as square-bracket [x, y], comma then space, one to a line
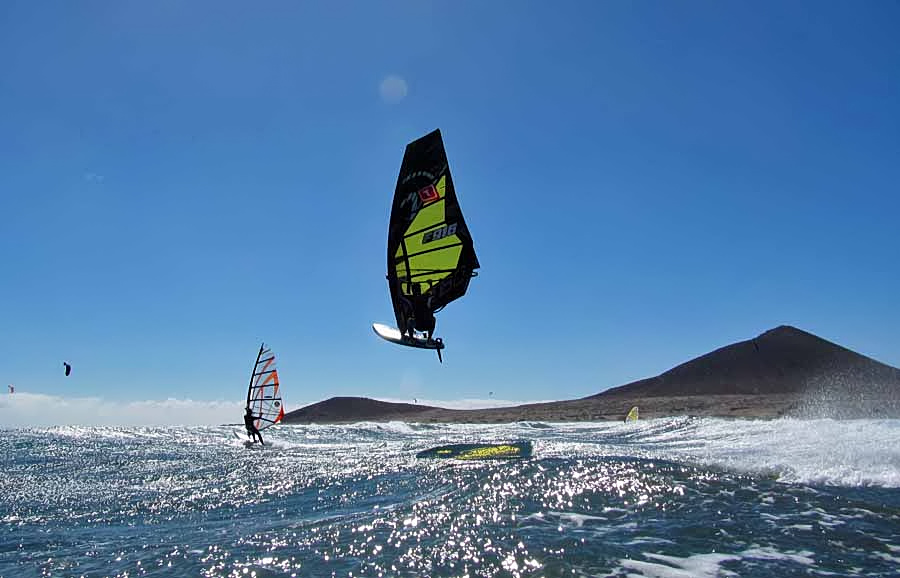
[632, 414]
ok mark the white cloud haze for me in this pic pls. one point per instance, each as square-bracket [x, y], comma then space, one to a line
[463, 403]
[41, 410]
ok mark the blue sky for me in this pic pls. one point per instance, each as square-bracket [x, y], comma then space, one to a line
[644, 182]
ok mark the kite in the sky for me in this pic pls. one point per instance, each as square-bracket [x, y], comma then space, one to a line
[68, 368]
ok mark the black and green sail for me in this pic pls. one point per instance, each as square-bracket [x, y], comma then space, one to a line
[430, 255]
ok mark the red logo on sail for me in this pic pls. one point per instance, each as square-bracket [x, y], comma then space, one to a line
[429, 195]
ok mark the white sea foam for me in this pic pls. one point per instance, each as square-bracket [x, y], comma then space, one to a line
[701, 565]
[573, 519]
[820, 452]
[825, 451]
[396, 427]
[855, 453]
[696, 566]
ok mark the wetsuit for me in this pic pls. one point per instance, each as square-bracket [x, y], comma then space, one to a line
[425, 320]
[418, 314]
[252, 432]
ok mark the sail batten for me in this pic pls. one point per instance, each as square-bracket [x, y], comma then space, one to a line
[440, 248]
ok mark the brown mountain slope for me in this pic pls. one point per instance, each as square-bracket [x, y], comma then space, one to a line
[784, 360]
[339, 409]
[784, 371]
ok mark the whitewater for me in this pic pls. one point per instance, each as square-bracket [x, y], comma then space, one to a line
[674, 497]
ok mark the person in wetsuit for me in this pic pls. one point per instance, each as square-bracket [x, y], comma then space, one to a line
[424, 318]
[252, 432]
[419, 315]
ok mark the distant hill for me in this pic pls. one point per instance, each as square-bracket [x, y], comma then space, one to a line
[784, 371]
[784, 360]
[342, 409]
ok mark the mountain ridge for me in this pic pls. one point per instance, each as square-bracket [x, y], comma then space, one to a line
[784, 371]
[783, 360]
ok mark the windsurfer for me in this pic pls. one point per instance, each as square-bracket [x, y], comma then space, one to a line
[422, 319]
[425, 320]
[252, 432]
[410, 331]
[419, 314]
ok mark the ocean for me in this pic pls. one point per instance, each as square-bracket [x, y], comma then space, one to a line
[675, 497]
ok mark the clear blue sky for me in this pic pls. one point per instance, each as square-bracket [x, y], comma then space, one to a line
[644, 182]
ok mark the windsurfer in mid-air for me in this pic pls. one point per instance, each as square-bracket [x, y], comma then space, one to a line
[419, 315]
[425, 320]
[252, 432]
[422, 319]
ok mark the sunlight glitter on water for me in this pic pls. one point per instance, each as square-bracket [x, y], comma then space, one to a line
[353, 500]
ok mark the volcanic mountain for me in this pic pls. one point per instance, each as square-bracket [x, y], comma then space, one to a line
[780, 361]
[342, 409]
[784, 371]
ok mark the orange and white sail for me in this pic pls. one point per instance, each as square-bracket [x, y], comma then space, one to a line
[263, 394]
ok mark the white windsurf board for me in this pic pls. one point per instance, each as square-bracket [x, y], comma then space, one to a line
[393, 335]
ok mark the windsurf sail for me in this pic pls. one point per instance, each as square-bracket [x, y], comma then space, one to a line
[430, 255]
[263, 394]
[513, 450]
[632, 414]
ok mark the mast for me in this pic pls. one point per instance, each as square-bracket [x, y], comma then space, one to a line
[253, 372]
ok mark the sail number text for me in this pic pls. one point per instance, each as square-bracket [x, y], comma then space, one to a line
[439, 233]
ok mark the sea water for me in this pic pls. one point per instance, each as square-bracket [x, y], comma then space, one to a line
[678, 497]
